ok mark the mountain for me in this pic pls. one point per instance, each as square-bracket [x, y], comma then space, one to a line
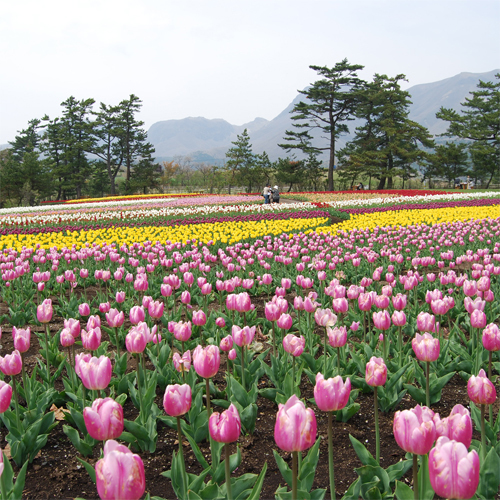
[208, 140]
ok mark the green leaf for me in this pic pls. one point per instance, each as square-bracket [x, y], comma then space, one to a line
[75, 439]
[286, 472]
[308, 467]
[137, 430]
[399, 469]
[403, 491]
[238, 393]
[363, 454]
[489, 477]
[255, 495]
[88, 468]
[17, 491]
[234, 461]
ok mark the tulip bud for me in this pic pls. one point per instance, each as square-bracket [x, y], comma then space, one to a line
[453, 472]
[294, 345]
[11, 364]
[44, 311]
[104, 420]
[295, 428]
[206, 361]
[332, 394]
[120, 474]
[225, 427]
[480, 389]
[84, 309]
[177, 400]
[5, 398]
[376, 372]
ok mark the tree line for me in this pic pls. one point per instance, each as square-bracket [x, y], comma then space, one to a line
[80, 153]
[93, 153]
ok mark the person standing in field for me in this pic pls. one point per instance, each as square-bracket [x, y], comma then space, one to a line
[267, 194]
[275, 194]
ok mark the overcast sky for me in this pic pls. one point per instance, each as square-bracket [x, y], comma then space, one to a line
[230, 59]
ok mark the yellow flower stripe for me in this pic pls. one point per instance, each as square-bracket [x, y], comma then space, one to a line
[414, 217]
[129, 197]
[224, 232]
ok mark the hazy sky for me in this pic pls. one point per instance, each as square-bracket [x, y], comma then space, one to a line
[236, 59]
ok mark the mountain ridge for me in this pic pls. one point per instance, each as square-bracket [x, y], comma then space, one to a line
[211, 138]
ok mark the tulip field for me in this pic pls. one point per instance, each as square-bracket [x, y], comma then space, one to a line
[337, 345]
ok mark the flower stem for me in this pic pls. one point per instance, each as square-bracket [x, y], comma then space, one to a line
[294, 475]
[490, 353]
[400, 346]
[330, 456]
[25, 384]
[138, 382]
[415, 477]
[228, 474]
[181, 451]
[427, 389]
[324, 353]
[274, 341]
[243, 367]
[377, 430]
[483, 435]
[47, 351]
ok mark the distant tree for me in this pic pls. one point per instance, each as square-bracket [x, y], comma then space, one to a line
[330, 103]
[387, 144]
[289, 171]
[241, 161]
[75, 133]
[146, 176]
[169, 170]
[479, 123]
[449, 161]
[27, 139]
[314, 172]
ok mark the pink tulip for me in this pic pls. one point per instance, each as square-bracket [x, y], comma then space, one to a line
[95, 373]
[298, 303]
[340, 305]
[491, 337]
[177, 400]
[120, 474]
[11, 364]
[470, 288]
[271, 311]
[382, 320]
[294, 345]
[73, 325]
[137, 338]
[471, 305]
[155, 309]
[84, 309]
[93, 322]
[91, 339]
[225, 427]
[381, 302]
[44, 311]
[426, 322]
[231, 355]
[243, 336]
[295, 428]
[267, 279]
[337, 337]
[439, 307]
[206, 361]
[136, 314]
[185, 297]
[457, 426]
[354, 326]
[115, 318]
[226, 344]
[398, 318]
[22, 338]
[365, 301]
[66, 338]
[331, 394]
[310, 305]
[325, 317]
[399, 301]
[104, 420]
[182, 364]
[453, 472]
[285, 322]
[376, 372]
[182, 331]
[480, 389]
[414, 430]
[5, 398]
[478, 319]
[426, 347]
[243, 302]
[199, 318]
[220, 322]
[104, 307]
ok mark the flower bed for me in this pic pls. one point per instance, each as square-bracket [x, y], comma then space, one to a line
[341, 329]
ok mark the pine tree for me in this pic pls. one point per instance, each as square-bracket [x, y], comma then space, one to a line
[387, 144]
[479, 123]
[241, 161]
[330, 103]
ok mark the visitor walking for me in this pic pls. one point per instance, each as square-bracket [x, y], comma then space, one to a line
[267, 194]
[275, 194]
